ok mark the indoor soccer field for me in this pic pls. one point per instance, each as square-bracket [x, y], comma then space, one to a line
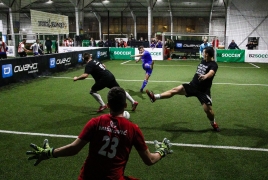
[56, 108]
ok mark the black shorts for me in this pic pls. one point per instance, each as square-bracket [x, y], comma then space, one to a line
[107, 82]
[203, 97]
[3, 56]
[22, 54]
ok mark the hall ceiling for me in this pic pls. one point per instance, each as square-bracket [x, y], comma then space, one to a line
[118, 8]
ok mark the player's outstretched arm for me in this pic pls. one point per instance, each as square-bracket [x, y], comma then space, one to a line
[161, 150]
[83, 76]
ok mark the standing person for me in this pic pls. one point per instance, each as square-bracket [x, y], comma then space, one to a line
[48, 45]
[36, 48]
[250, 45]
[159, 44]
[56, 46]
[109, 150]
[233, 45]
[21, 49]
[3, 49]
[100, 43]
[203, 46]
[215, 42]
[199, 86]
[93, 42]
[103, 79]
[147, 64]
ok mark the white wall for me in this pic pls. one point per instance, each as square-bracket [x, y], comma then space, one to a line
[248, 19]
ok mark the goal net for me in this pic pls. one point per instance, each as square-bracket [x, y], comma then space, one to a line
[186, 46]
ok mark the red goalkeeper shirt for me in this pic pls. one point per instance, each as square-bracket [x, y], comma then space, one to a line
[110, 142]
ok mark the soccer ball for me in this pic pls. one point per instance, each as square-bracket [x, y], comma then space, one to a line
[126, 114]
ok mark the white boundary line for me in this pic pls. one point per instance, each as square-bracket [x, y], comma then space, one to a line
[234, 84]
[193, 66]
[254, 65]
[148, 142]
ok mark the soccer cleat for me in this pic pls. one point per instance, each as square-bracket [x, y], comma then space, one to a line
[151, 95]
[215, 127]
[102, 108]
[141, 90]
[134, 106]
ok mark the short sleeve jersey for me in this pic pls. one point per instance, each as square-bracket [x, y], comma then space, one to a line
[146, 57]
[97, 70]
[110, 140]
[202, 69]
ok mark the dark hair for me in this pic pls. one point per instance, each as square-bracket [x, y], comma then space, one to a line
[117, 99]
[86, 56]
[140, 47]
[210, 51]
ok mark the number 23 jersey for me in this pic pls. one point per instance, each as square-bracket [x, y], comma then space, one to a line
[110, 141]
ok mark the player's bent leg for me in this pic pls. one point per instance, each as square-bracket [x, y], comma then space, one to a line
[152, 65]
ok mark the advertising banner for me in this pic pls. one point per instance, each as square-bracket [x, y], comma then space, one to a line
[156, 53]
[10, 52]
[260, 56]
[43, 22]
[230, 55]
[121, 53]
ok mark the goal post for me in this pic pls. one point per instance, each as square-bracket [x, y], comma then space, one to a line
[188, 44]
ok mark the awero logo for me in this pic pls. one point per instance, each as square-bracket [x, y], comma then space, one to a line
[258, 55]
[65, 61]
[52, 63]
[122, 52]
[156, 53]
[230, 55]
[7, 70]
[26, 67]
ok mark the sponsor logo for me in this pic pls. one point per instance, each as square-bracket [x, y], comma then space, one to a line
[179, 45]
[191, 45]
[258, 55]
[7, 70]
[98, 54]
[122, 52]
[229, 55]
[30, 68]
[52, 63]
[156, 53]
[65, 61]
[52, 24]
[102, 54]
[80, 58]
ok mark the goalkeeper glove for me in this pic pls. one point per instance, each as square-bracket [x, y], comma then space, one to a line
[163, 148]
[40, 153]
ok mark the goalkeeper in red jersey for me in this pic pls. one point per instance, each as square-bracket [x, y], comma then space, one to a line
[111, 138]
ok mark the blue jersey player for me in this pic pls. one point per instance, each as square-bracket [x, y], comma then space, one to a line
[147, 64]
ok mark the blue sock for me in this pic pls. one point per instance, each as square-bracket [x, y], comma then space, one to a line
[144, 84]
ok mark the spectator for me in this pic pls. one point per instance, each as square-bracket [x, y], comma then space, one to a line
[71, 42]
[41, 51]
[107, 44]
[215, 42]
[48, 45]
[56, 46]
[122, 43]
[3, 49]
[152, 44]
[233, 45]
[250, 45]
[116, 44]
[93, 42]
[101, 43]
[36, 48]
[159, 44]
[21, 49]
